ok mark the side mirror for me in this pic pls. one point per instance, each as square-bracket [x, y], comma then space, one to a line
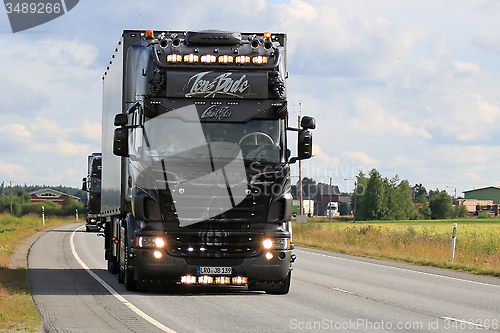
[84, 184]
[121, 119]
[308, 123]
[120, 142]
[304, 145]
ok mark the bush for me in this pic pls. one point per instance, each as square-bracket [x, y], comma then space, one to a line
[483, 215]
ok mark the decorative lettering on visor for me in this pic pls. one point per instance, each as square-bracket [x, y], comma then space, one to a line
[216, 112]
[213, 84]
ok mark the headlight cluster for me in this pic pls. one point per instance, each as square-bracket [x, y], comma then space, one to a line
[276, 243]
[150, 241]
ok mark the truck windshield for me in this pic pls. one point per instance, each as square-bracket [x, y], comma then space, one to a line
[259, 140]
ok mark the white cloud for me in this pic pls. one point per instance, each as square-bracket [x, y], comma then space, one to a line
[439, 47]
[372, 118]
[324, 158]
[362, 158]
[13, 171]
[466, 67]
[44, 136]
[488, 41]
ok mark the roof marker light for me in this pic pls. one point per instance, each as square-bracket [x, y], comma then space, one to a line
[208, 59]
[226, 59]
[242, 60]
[191, 58]
[174, 58]
[149, 34]
[259, 60]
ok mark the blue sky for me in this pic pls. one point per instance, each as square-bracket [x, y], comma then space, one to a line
[409, 87]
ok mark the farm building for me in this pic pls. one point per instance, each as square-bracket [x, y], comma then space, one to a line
[49, 194]
[484, 193]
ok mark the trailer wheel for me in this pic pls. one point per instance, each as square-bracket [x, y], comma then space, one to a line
[112, 266]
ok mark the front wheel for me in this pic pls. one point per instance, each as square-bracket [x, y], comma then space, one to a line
[129, 280]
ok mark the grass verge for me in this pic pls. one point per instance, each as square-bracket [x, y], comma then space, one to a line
[17, 311]
[426, 243]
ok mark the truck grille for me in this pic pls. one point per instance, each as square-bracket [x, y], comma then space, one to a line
[214, 243]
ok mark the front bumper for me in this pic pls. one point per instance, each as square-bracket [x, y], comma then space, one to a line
[147, 267]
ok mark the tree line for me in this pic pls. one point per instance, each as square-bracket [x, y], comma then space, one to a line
[381, 198]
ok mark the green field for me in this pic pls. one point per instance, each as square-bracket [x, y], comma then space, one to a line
[426, 242]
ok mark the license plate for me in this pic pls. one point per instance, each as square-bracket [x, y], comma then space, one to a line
[215, 270]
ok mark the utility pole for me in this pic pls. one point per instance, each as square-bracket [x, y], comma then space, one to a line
[301, 207]
[11, 196]
[329, 206]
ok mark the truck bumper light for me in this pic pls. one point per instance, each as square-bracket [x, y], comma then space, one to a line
[222, 280]
[157, 254]
[205, 279]
[188, 279]
[269, 256]
[239, 280]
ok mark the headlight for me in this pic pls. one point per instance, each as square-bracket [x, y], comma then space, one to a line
[276, 243]
[150, 241]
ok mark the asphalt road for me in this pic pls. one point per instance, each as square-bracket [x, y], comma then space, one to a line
[329, 292]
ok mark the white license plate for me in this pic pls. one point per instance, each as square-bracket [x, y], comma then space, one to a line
[215, 270]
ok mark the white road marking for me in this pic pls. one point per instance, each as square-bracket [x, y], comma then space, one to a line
[468, 323]
[402, 269]
[114, 292]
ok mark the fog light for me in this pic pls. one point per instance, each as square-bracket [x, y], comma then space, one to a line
[269, 256]
[157, 254]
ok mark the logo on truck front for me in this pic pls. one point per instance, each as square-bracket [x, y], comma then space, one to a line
[202, 85]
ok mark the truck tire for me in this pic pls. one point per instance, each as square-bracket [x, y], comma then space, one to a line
[120, 274]
[112, 266]
[128, 274]
[283, 289]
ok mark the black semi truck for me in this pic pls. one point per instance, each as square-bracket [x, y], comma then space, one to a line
[92, 185]
[196, 170]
